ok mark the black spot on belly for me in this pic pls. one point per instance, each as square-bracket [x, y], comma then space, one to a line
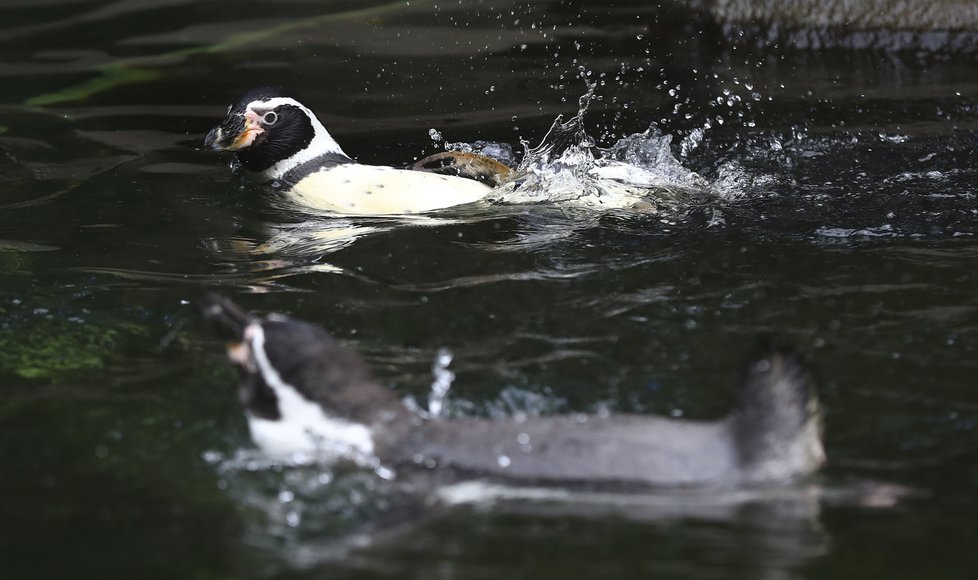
[380, 186]
[345, 181]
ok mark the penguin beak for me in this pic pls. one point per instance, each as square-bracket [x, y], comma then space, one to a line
[232, 323]
[237, 131]
[229, 320]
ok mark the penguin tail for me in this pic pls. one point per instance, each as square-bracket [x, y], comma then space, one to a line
[778, 421]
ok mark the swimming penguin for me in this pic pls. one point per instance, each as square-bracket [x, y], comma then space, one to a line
[304, 393]
[274, 134]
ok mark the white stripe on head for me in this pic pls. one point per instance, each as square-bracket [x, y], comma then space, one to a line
[321, 144]
[304, 427]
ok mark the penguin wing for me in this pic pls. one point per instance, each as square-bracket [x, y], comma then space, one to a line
[468, 165]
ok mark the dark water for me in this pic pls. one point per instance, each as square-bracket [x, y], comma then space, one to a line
[843, 220]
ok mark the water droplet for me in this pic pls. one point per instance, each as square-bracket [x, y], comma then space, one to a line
[442, 382]
[212, 456]
[293, 519]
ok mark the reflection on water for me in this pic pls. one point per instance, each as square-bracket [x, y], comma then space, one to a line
[825, 197]
[313, 517]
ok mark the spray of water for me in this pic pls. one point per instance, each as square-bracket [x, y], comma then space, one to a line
[441, 384]
[637, 172]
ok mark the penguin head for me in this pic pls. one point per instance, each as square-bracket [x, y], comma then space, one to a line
[270, 131]
[301, 390]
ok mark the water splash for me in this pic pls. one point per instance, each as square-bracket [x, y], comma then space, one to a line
[441, 384]
[303, 514]
[637, 172]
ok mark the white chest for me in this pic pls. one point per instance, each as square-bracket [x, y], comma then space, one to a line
[375, 190]
[305, 429]
[302, 426]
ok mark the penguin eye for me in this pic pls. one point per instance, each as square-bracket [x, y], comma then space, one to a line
[269, 118]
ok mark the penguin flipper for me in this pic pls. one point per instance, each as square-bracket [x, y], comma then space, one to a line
[469, 165]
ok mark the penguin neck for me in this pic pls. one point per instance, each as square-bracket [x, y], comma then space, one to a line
[348, 425]
[322, 148]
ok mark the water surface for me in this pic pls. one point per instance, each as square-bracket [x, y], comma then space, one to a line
[839, 214]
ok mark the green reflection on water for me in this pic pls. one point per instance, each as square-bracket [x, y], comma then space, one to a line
[49, 347]
[135, 70]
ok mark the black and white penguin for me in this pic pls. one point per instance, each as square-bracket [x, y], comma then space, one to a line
[274, 134]
[304, 393]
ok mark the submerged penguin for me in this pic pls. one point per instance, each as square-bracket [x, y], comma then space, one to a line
[274, 134]
[304, 393]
